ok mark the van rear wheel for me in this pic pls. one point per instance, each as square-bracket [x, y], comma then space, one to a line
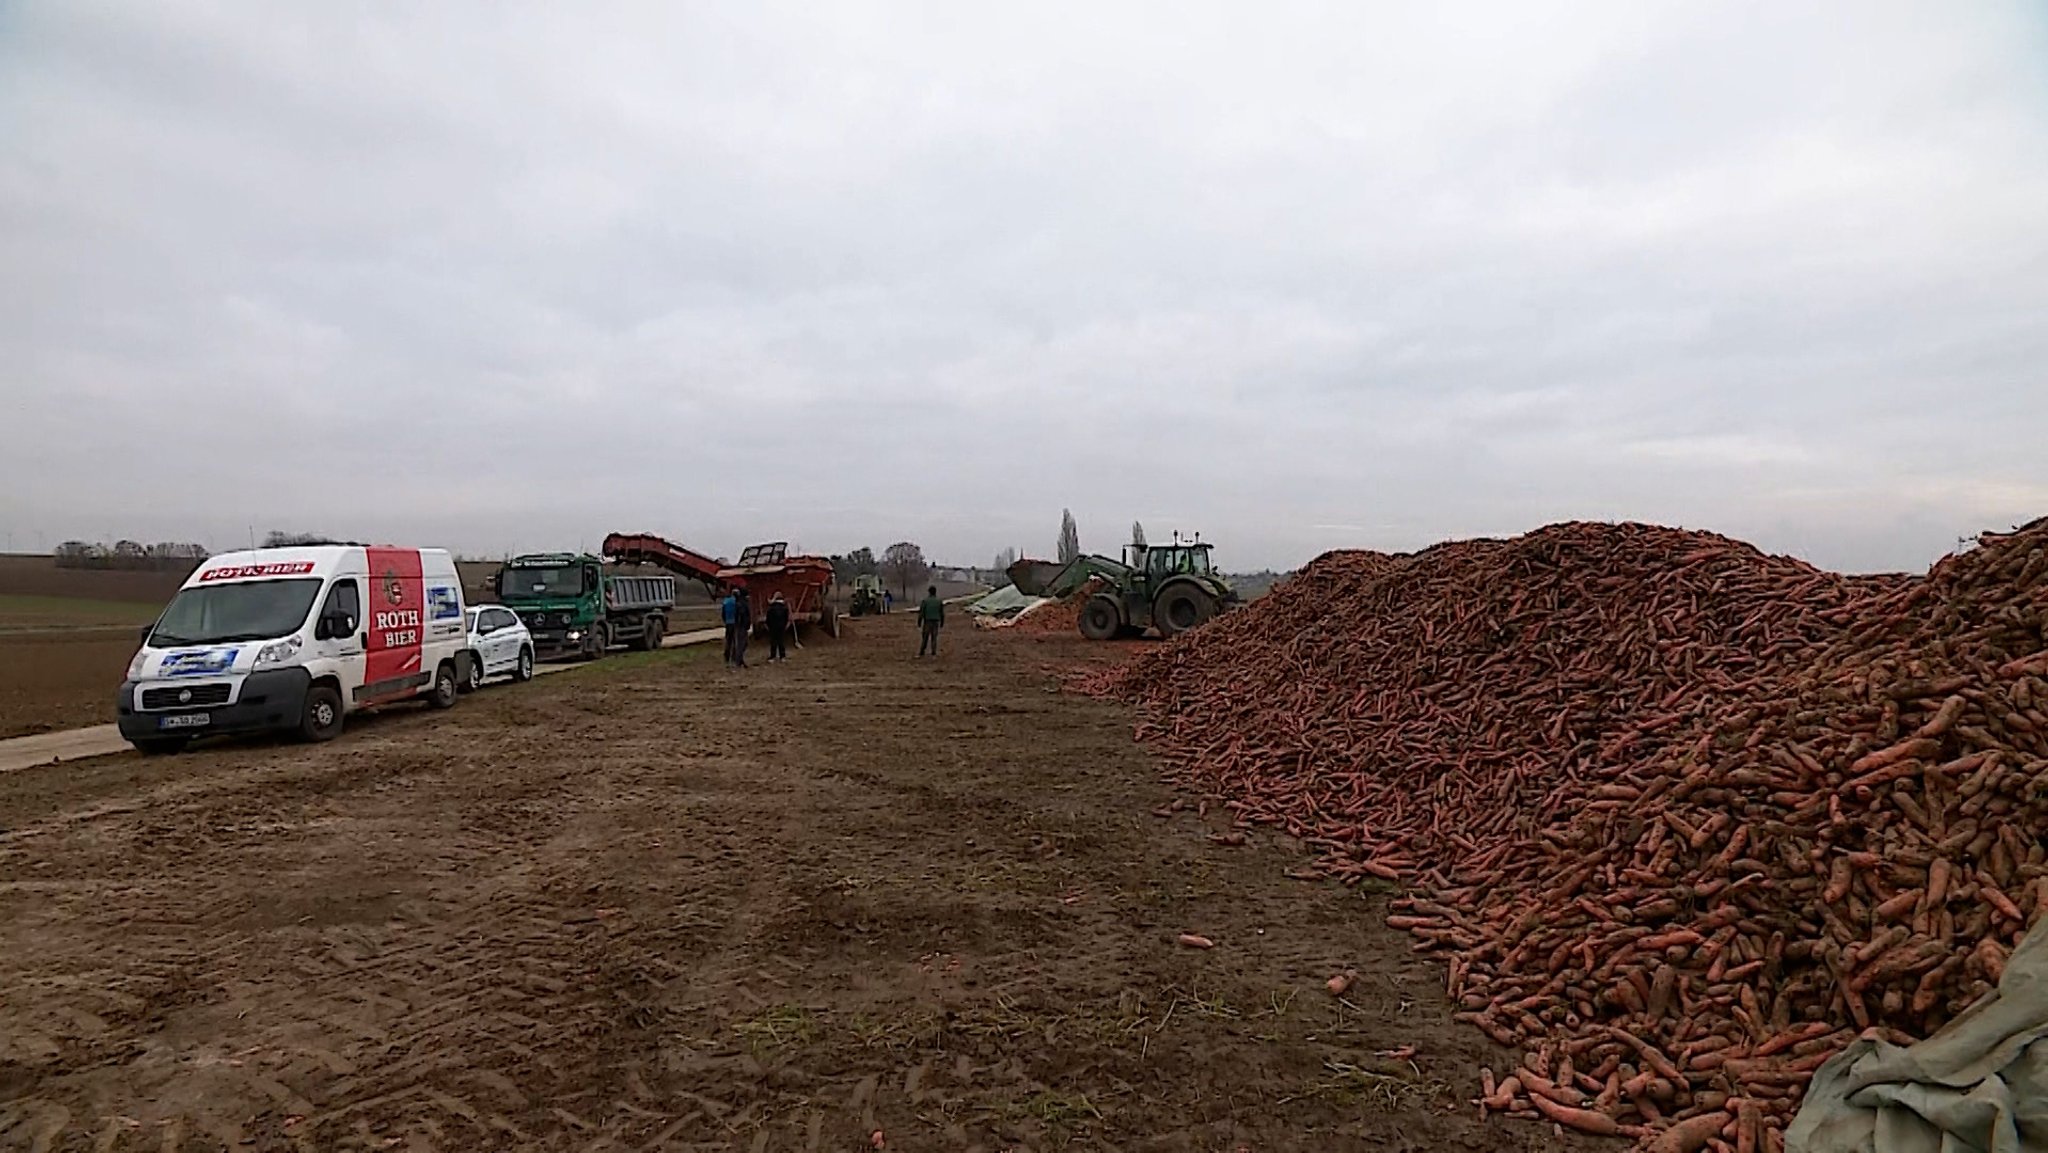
[322, 720]
[443, 696]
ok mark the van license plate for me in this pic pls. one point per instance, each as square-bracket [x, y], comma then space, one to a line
[186, 721]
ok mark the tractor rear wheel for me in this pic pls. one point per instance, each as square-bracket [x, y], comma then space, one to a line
[1180, 608]
[1100, 618]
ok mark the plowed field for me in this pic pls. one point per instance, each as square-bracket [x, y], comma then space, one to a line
[650, 904]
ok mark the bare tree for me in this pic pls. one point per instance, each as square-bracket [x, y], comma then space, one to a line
[904, 565]
[1070, 537]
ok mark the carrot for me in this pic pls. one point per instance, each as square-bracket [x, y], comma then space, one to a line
[1898, 906]
[1998, 900]
[1943, 719]
[1196, 941]
[1749, 1123]
[1338, 984]
[1840, 876]
[1540, 1086]
[1583, 1120]
[1690, 1135]
[1913, 748]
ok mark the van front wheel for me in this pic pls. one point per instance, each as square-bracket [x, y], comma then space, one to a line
[443, 696]
[322, 721]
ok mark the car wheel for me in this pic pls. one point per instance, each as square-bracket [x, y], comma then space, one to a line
[524, 672]
[322, 720]
[476, 673]
[443, 696]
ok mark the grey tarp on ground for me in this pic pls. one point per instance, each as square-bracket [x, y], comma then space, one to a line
[1005, 601]
[1978, 1085]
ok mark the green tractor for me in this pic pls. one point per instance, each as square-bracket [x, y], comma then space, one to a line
[1171, 588]
[868, 597]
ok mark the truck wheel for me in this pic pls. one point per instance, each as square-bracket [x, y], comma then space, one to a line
[160, 746]
[1180, 608]
[322, 720]
[443, 696]
[476, 673]
[595, 642]
[523, 671]
[1100, 619]
[650, 636]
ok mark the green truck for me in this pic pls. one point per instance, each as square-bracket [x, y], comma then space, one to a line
[572, 603]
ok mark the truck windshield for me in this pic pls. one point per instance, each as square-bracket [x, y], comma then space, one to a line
[522, 583]
[242, 611]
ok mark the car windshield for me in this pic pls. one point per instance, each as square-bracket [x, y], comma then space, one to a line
[242, 611]
[515, 583]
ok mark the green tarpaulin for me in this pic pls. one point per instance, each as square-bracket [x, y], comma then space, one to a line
[1978, 1085]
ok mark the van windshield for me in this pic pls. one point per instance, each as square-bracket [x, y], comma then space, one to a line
[242, 611]
[520, 583]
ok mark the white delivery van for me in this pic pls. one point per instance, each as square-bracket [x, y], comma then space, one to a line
[296, 638]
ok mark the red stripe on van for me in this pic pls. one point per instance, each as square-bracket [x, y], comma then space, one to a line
[397, 611]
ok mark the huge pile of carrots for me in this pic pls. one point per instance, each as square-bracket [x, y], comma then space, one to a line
[1684, 819]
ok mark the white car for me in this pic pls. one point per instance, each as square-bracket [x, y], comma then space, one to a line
[498, 643]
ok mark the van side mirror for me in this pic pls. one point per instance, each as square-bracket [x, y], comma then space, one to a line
[334, 626]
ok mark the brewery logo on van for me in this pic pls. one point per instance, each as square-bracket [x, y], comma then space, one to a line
[235, 572]
[394, 591]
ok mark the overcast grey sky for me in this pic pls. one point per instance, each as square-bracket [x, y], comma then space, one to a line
[1298, 276]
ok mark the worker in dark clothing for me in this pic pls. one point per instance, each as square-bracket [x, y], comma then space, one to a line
[728, 612]
[743, 627]
[778, 629]
[931, 617]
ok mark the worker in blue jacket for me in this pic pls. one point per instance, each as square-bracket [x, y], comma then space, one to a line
[729, 609]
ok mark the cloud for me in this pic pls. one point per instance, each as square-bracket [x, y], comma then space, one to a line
[511, 276]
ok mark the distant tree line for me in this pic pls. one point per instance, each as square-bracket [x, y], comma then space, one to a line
[128, 554]
[902, 564]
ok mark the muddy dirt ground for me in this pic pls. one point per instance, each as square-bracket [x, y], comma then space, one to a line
[650, 904]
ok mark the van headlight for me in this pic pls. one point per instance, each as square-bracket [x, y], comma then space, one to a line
[278, 652]
[135, 666]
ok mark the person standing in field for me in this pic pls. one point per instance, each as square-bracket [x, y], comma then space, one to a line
[778, 629]
[743, 627]
[729, 611]
[888, 601]
[931, 617]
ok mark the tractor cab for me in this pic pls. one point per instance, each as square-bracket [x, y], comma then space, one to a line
[1153, 565]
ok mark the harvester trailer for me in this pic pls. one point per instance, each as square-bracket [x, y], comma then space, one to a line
[764, 570]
